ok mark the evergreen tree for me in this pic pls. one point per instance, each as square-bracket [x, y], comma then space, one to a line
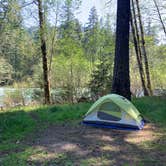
[101, 78]
[15, 41]
[69, 24]
[91, 37]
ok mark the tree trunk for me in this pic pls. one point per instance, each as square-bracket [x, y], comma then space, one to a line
[144, 50]
[44, 53]
[136, 29]
[137, 46]
[159, 14]
[121, 78]
[53, 41]
[140, 65]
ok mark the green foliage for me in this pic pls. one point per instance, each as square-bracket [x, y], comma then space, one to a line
[17, 46]
[157, 60]
[91, 39]
[70, 73]
[74, 51]
[101, 78]
[5, 72]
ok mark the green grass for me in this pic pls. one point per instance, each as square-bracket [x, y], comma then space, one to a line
[18, 124]
[153, 109]
[62, 113]
[15, 125]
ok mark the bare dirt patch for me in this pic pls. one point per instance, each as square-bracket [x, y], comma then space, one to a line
[81, 145]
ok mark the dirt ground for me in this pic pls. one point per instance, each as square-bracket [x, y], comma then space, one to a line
[65, 145]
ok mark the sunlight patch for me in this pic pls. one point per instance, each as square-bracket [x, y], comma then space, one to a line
[147, 134]
[70, 147]
[97, 161]
[42, 155]
[106, 138]
[110, 148]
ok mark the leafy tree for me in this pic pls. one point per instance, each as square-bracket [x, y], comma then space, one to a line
[71, 74]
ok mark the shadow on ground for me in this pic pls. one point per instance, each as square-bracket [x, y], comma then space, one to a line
[80, 145]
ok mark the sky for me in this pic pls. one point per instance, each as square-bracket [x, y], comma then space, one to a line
[102, 9]
[87, 5]
[82, 14]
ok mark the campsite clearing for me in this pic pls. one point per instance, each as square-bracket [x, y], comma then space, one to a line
[54, 136]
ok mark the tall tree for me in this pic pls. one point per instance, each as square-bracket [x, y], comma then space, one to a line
[140, 65]
[15, 41]
[68, 21]
[144, 49]
[121, 78]
[91, 37]
[44, 52]
[135, 32]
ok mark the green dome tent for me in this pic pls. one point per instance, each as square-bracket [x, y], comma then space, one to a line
[114, 111]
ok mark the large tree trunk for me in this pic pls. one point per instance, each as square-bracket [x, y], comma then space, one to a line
[144, 50]
[159, 14]
[121, 78]
[44, 53]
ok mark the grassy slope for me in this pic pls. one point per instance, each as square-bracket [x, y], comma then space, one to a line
[16, 125]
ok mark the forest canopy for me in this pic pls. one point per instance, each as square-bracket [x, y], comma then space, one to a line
[80, 55]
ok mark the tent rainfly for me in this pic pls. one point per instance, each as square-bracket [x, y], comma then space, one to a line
[114, 111]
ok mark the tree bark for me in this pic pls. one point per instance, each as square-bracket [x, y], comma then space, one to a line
[144, 50]
[44, 53]
[136, 38]
[136, 29]
[159, 14]
[121, 78]
[140, 65]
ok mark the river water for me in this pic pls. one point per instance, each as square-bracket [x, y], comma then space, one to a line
[25, 93]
